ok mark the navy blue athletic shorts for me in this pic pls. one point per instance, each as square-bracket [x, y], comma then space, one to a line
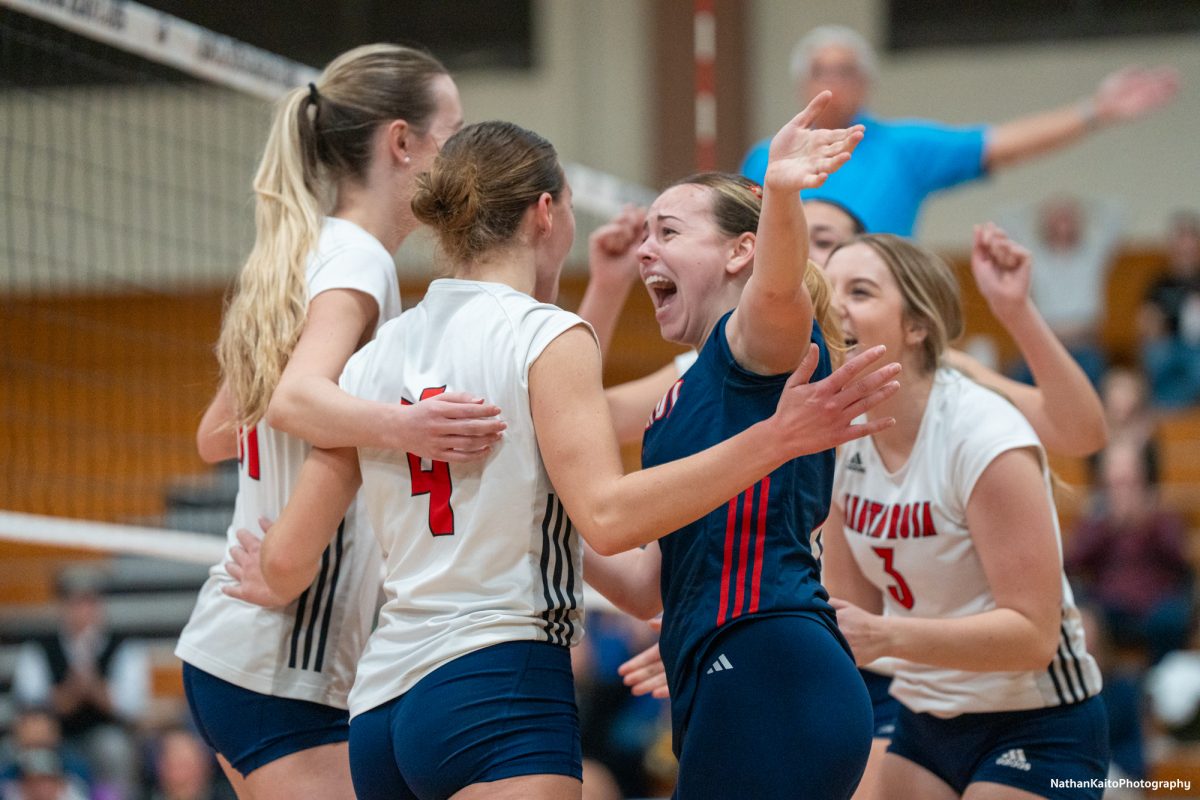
[786, 715]
[499, 712]
[251, 729]
[884, 706]
[1028, 750]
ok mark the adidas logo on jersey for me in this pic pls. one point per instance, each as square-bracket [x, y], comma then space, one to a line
[855, 464]
[720, 665]
[1015, 759]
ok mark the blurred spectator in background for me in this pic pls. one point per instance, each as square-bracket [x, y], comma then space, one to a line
[1173, 689]
[40, 776]
[1129, 558]
[1073, 243]
[1122, 693]
[96, 682]
[1169, 319]
[901, 162]
[1125, 395]
[617, 728]
[36, 728]
[183, 769]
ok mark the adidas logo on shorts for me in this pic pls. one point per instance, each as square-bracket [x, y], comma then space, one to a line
[855, 464]
[720, 665]
[1015, 759]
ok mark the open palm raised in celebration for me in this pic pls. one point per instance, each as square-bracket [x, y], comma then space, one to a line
[802, 157]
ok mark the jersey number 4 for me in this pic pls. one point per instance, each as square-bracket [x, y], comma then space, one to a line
[434, 482]
[248, 451]
[899, 590]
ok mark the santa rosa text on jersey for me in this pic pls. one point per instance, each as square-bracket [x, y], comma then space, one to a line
[881, 521]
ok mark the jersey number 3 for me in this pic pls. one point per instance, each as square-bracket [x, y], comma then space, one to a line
[434, 482]
[899, 590]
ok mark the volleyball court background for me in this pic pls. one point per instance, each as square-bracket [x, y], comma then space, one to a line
[126, 211]
[129, 139]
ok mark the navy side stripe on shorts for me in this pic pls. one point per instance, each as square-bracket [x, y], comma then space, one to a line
[328, 573]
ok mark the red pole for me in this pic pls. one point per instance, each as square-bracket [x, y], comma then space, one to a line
[704, 39]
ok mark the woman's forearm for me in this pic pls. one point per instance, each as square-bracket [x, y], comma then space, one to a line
[994, 641]
[628, 580]
[1074, 417]
[292, 548]
[315, 409]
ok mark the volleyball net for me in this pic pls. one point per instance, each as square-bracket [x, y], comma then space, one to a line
[130, 138]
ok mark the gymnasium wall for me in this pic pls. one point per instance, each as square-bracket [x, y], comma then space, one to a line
[591, 95]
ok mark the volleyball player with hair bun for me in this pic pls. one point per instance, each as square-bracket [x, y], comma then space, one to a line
[943, 553]
[465, 688]
[268, 686]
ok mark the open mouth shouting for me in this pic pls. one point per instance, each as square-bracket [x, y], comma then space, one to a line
[662, 291]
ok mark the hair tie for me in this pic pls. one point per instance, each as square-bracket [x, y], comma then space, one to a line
[313, 107]
[755, 190]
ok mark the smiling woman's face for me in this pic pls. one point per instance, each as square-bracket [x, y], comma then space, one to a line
[867, 299]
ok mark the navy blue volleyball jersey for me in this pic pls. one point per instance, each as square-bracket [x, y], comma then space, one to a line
[752, 555]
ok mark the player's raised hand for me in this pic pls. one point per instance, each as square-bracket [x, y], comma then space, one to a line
[802, 157]
[453, 426]
[245, 566]
[1002, 270]
[612, 248]
[812, 417]
[1134, 92]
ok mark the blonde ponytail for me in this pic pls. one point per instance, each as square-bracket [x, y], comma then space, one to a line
[264, 317]
[320, 135]
[821, 293]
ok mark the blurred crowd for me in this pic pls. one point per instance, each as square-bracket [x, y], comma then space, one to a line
[82, 725]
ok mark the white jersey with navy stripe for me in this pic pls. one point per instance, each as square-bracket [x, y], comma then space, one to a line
[308, 650]
[908, 532]
[476, 554]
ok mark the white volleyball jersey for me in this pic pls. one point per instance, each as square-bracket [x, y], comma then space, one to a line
[908, 532]
[475, 554]
[309, 649]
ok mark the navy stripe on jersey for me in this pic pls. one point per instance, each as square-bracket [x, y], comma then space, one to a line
[745, 541]
[1075, 664]
[572, 600]
[1065, 661]
[338, 544]
[561, 622]
[550, 506]
[306, 619]
[318, 596]
[560, 600]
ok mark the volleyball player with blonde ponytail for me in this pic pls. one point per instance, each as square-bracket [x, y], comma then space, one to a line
[268, 687]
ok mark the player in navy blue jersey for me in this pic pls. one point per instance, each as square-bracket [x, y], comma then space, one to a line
[766, 701]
